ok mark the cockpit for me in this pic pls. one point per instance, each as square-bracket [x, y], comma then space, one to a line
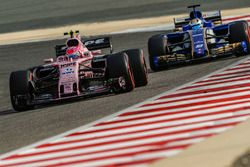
[196, 23]
[196, 20]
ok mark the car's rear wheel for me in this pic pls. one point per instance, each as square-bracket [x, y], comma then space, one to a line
[119, 68]
[157, 46]
[138, 66]
[238, 32]
[20, 90]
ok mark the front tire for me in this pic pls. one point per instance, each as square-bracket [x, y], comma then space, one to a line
[20, 92]
[238, 32]
[138, 66]
[118, 66]
[157, 46]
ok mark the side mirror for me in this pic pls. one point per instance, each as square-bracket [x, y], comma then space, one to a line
[50, 60]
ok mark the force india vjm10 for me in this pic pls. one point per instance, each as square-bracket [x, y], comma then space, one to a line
[198, 36]
[80, 70]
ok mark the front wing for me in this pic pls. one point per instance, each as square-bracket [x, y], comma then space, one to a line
[46, 99]
[239, 48]
[113, 86]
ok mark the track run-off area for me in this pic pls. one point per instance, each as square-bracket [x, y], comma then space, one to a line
[157, 128]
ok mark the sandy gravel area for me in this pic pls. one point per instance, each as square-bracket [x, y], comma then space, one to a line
[98, 28]
[219, 151]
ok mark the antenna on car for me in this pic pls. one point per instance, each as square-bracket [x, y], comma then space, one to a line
[194, 7]
[71, 33]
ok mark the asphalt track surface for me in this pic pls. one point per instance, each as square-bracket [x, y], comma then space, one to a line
[23, 128]
[29, 14]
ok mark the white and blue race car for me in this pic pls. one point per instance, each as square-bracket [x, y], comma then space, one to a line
[196, 37]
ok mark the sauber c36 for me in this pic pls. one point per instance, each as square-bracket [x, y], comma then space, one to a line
[196, 37]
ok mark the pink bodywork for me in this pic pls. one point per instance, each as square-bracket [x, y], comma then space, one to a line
[69, 67]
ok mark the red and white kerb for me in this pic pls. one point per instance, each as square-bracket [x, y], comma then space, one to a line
[158, 128]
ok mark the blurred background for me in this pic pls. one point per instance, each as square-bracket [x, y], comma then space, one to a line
[17, 15]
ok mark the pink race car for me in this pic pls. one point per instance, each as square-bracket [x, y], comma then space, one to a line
[80, 70]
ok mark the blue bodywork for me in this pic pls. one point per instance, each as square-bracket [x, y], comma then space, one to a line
[199, 44]
[197, 34]
[192, 40]
[198, 37]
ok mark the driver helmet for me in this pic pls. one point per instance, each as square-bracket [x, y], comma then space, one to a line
[73, 53]
[196, 23]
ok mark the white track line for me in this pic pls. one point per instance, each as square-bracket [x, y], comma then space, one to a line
[120, 145]
[151, 126]
[236, 95]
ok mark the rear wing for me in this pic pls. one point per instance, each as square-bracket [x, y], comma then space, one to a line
[91, 44]
[99, 43]
[213, 16]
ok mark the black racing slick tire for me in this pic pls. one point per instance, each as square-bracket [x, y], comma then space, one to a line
[238, 32]
[119, 67]
[157, 46]
[138, 66]
[20, 92]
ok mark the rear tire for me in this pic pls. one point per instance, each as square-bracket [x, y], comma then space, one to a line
[20, 90]
[118, 66]
[157, 46]
[138, 66]
[238, 32]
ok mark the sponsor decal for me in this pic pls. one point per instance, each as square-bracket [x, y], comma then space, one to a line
[68, 71]
[68, 65]
[97, 41]
[199, 46]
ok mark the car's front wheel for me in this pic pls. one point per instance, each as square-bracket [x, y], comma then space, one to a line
[119, 69]
[238, 32]
[138, 66]
[157, 46]
[20, 90]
